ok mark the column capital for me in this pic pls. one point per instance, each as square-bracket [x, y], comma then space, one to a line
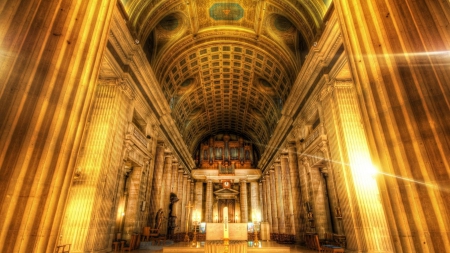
[242, 180]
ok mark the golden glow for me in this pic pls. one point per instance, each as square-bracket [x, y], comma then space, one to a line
[196, 217]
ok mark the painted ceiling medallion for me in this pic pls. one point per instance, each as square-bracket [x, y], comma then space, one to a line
[226, 11]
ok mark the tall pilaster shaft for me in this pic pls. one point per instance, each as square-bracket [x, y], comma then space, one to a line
[209, 201]
[261, 201]
[157, 183]
[273, 201]
[98, 175]
[280, 198]
[243, 201]
[295, 190]
[364, 218]
[319, 206]
[199, 198]
[403, 88]
[254, 201]
[50, 61]
[266, 202]
[180, 194]
[185, 202]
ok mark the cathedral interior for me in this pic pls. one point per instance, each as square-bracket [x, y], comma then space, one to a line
[305, 116]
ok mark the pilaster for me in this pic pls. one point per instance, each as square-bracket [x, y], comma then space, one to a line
[364, 218]
[91, 200]
[273, 200]
[295, 190]
[254, 200]
[155, 201]
[280, 198]
[49, 69]
[209, 201]
[243, 200]
[198, 204]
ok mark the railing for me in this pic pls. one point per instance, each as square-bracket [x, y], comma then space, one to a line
[314, 135]
[140, 136]
[135, 133]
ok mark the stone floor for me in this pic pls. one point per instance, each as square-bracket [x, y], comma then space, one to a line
[293, 247]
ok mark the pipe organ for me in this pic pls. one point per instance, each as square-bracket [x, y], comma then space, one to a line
[226, 152]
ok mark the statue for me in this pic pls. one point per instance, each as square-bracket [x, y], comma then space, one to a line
[158, 219]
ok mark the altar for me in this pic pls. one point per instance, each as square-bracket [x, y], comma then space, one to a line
[237, 231]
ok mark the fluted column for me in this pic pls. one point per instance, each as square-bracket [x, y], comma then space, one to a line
[268, 202]
[180, 204]
[273, 200]
[254, 200]
[51, 54]
[261, 201]
[96, 176]
[209, 201]
[280, 198]
[362, 211]
[319, 205]
[199, 198]
[174, 181]
[287, 194]
[165, 190]
[155, 199]
[132, 211]
[185, 201]
[403, 90]
[243, 200]
[148, 191]
[295, 190]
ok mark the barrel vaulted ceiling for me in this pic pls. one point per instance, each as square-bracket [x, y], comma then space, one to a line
[225, 66]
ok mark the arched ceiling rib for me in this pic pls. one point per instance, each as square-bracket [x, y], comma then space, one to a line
[226, 66]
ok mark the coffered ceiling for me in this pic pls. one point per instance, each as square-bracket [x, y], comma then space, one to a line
[225, 66]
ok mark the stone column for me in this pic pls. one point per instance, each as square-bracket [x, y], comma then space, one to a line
[261, 201]
[254, 201]
[318, 203]
[174, 181]
[199, 199]
[50, 61]
[92, 196]
[132, 211]
[403, 91]
[295, 190]
[209, 201]
[278, 180]
[148, 191]
[287, 194]
[243, 200]
[165, 190]
[155, 199]
[273, 200]
[181, 190]
[362, 211]
[184, 203]
[266, 201]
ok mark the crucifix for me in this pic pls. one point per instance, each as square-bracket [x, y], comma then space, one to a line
[189, 206]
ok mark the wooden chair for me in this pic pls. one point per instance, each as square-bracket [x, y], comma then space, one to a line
[154, 234]
[63, 248]
[146, 234]
[130, 246]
